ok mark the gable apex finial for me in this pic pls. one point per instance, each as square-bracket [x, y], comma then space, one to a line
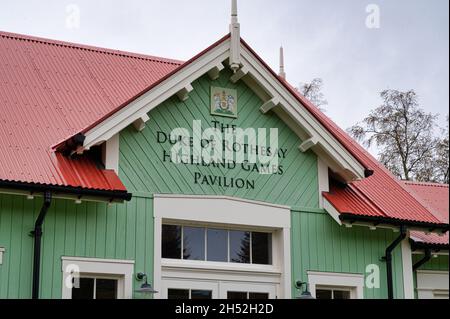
[235, 30]
[282, 73]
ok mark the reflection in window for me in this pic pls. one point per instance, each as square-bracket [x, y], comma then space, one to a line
[332, 294]
[217, 245]
[95, 288]
[240, 247]
[261, 248]
[178, 294]
[247, 295]
[194, 243]
[195, 294]
[171, 241]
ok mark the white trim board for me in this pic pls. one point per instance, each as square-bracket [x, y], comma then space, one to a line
[431, 281]
[326, 145]
[230, 212]
[122, 270]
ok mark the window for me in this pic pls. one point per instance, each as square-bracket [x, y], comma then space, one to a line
[194, 294]
[217, 245]
[247, 295]
[328, 285]
[95, 288]
[98, 278]
[324, 293]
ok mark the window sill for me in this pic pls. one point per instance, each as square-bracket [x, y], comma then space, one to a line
[219, 266]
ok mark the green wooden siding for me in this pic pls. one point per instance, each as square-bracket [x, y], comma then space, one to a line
[142, 168]
[435, 263]
[120, 231]
[320, 244]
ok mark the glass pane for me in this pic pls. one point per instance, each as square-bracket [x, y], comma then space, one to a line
[106, 289]
[194, 243]
[240, 247]
[217, 245]
[201, 294]
[340, 294]
[258, 295]
[177, 294]
[236, 295]
[171, 242]
[323, 294]
[262, 248]
[86, 290]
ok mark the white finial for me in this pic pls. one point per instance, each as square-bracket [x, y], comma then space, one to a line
[235, 30]
[282, 73]
[234, 12]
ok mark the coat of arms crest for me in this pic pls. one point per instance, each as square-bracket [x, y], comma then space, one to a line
[223, 102]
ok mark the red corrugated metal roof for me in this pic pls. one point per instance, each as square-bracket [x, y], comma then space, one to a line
[50, 90]
[436, 198]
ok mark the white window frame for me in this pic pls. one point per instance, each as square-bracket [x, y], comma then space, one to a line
[227, 229]
[120, 270]
[228, 212]
[339, 281]
[432, 283]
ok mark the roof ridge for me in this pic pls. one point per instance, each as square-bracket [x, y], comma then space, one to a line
[430, 184]
[79, 46]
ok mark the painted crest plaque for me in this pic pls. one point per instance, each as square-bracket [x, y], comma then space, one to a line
[223, 102]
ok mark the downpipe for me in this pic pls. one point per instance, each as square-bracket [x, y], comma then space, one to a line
[37, 234]
[388, 259]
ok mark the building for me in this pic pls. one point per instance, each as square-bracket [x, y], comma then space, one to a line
[86, 169]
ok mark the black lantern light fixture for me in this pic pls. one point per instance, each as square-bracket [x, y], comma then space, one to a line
[305, 294]
[146, 288]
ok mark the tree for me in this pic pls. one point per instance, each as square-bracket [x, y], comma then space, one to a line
[403, 133]
[442, 158]
[313, 92]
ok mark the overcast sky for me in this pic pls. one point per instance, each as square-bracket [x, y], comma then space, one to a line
[322, 38]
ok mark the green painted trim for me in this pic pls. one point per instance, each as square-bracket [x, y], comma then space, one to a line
[308, 210]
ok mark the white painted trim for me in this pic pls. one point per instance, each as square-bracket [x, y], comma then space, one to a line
[407, 267]
[302, 117]
[220, 266]
[348, 166]
[141, 122]
[430, 282]
[214, 197]
[226, 212]
[323, 179]
[221, 210]
[306, 145]
[122, 270]
[214, 73]
[2, 251]
[183, 94]
[160, 93]
[331, 210]
[354, 282]
[267, 106]
[111, 153]
[239, 74]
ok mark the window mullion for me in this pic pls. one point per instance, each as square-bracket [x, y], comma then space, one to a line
[228, 246]
[95, 288]
[182, 242]
[206, 243]
[251, 248]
